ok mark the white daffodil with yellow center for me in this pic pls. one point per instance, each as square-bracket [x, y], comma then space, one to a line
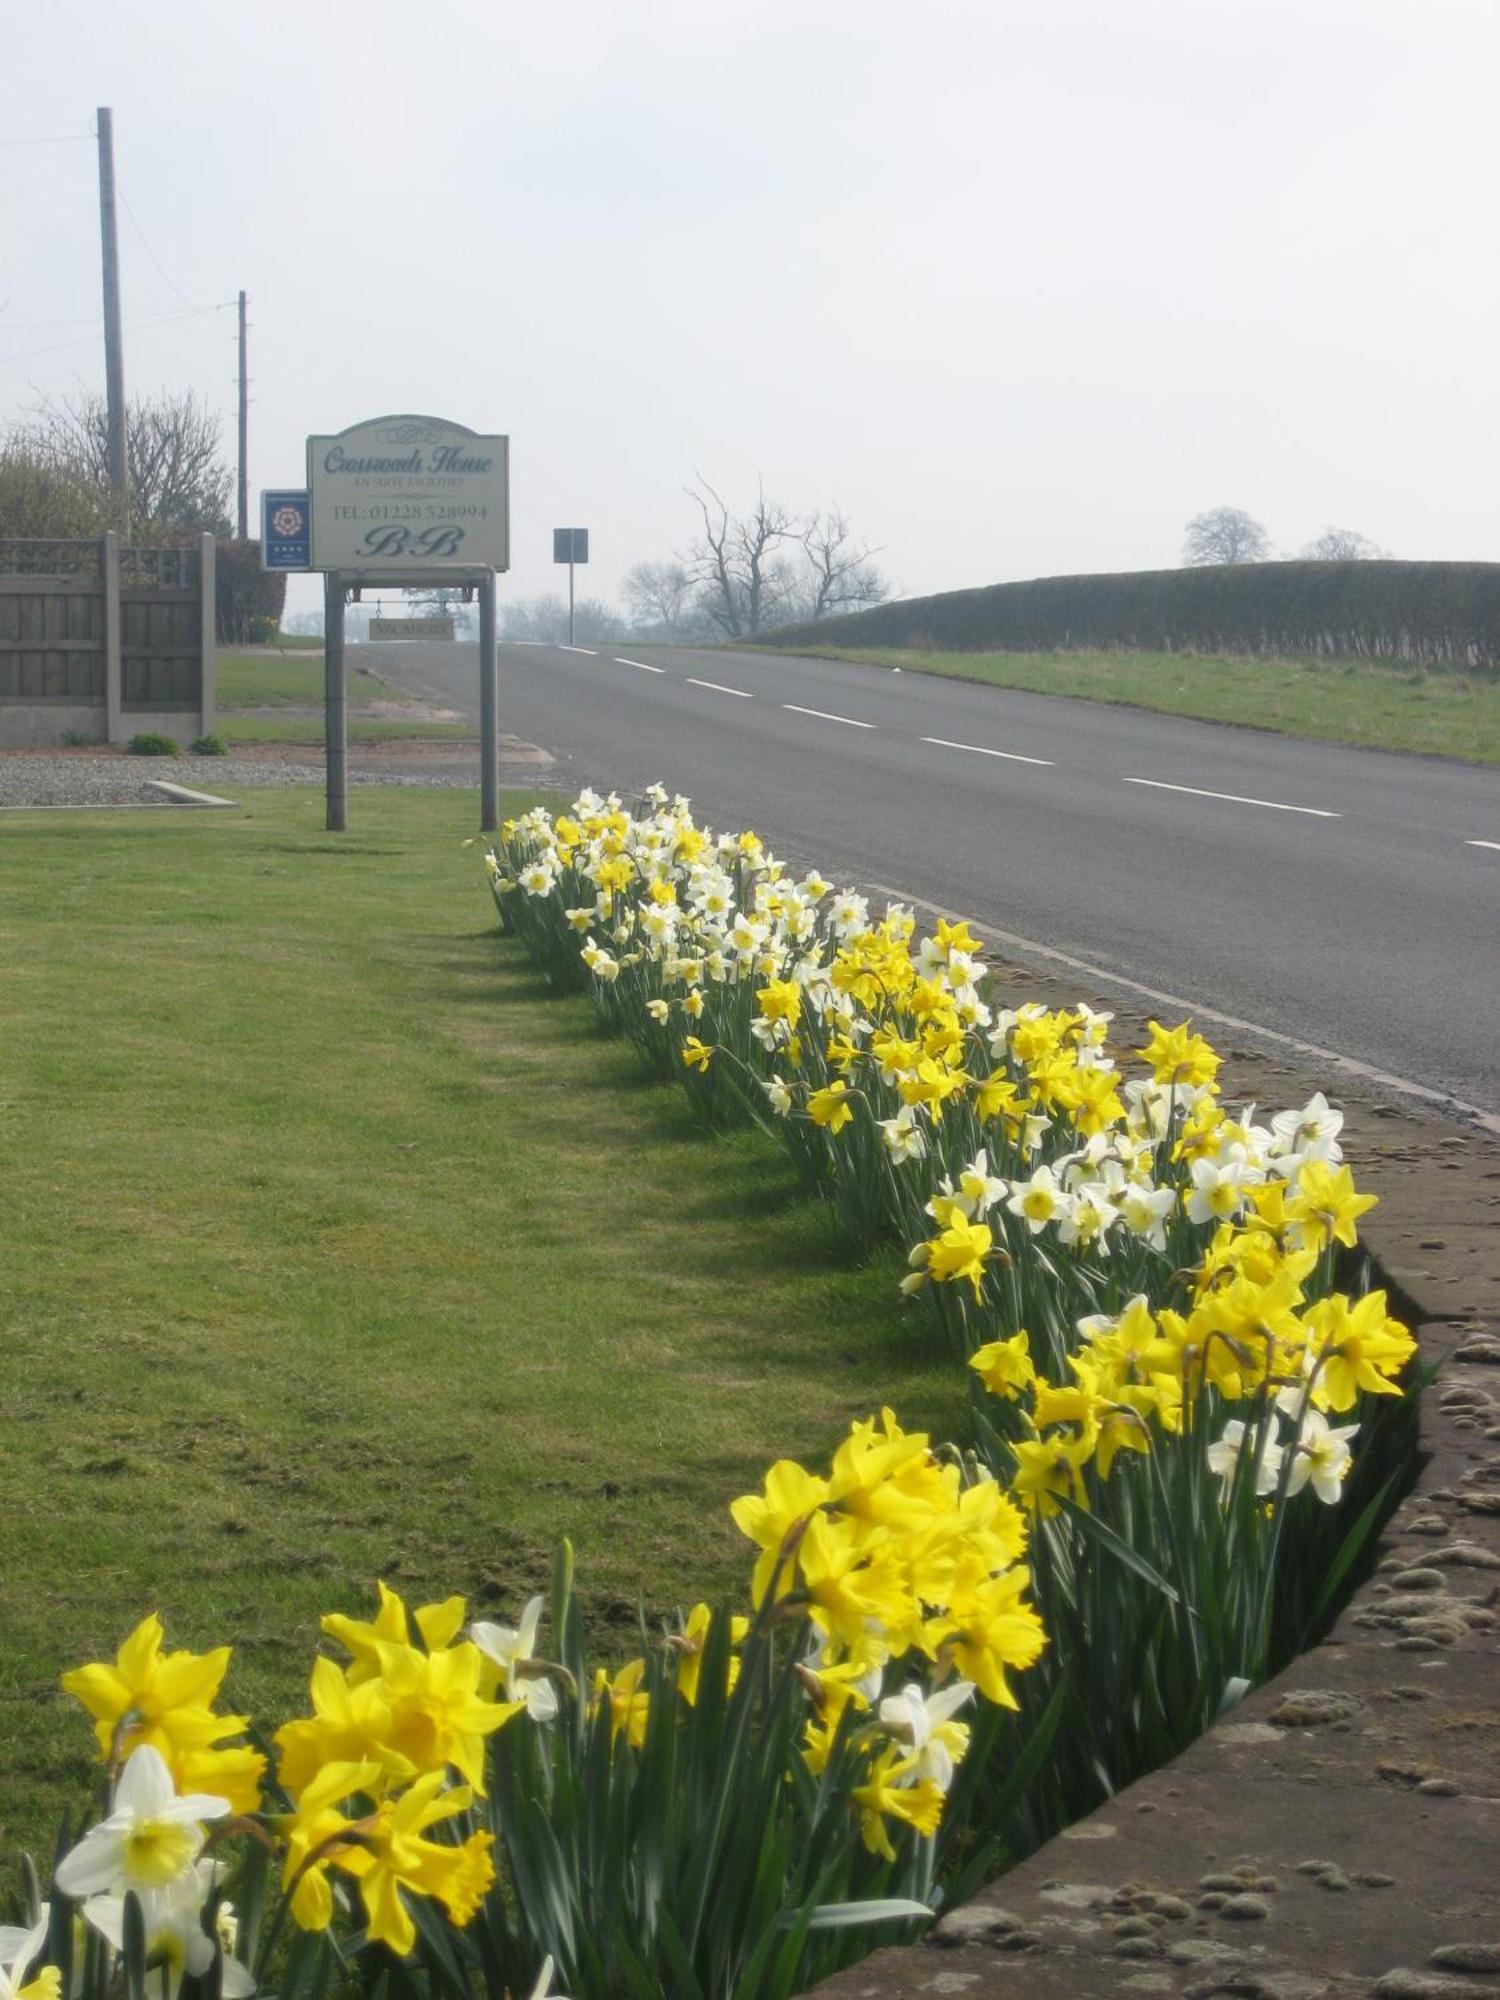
[151, 1837]
[177, 1945]
[19, 1949]
[925, 1722]
[1321, 1457]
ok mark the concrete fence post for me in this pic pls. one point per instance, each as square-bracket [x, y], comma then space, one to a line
[109, 585]
[208, 606]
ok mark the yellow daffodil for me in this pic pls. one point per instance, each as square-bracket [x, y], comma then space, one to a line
[165, 1700]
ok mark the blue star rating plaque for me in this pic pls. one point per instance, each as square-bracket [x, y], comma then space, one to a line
[285, 529]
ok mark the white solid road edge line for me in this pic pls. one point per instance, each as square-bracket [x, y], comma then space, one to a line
[979, 750]
[1234, 798]
[644, 665]
[719, 688]
[1483, 843]
[823, 715]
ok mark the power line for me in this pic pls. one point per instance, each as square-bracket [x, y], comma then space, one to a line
[58, 139]
[32, 325]
[145, 324]
[171, 283]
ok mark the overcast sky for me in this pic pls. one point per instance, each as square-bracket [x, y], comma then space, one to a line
[1020, 286]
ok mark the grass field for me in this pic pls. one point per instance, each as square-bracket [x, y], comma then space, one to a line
[1382, 708]
[334, 1249]
[263, 681]
[235, 728]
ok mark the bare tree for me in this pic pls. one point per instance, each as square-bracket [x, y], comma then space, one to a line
[1343, 545]
[732, 561]
[178, 477]
[844, 575]
[660, 595]
[545, 619]
[1224, 535]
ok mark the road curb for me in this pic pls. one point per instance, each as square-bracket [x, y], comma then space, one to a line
[184, 795]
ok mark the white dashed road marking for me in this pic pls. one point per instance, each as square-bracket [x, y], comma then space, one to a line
[979, 750]
[1483, 843]
[718, 687]
[644, 665]
[1234, 798]
[823, 715]
[588, 650]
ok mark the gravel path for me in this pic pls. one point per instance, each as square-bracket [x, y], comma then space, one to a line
[37, 778]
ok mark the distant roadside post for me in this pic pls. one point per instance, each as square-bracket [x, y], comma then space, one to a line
[412, 503]
[570, 545]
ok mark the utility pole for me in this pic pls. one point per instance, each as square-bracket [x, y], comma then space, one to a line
[244, 508]
[114, 348]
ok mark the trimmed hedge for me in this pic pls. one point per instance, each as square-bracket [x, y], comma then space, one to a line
[1443, 613]
[244, 591]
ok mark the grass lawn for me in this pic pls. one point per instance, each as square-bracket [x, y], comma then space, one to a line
[1339, 701]
[294, 729]
[261, 680]
[335, 1249]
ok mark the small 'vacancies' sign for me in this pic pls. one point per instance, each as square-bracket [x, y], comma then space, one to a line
[407, 492]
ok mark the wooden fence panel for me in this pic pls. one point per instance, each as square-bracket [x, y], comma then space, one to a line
[54, 626]
[51, 639]
[159, 648]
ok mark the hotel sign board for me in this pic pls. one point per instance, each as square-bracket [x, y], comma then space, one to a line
[409, 493]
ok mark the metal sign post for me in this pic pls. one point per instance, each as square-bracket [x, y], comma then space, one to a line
[570, 545]
[407, 502]
[335, 706]
[489, 709]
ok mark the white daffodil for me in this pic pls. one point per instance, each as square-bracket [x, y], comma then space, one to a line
[509, 1646]
[902, 1137]
[979, 1186]
[19, 1947]
[151, 1837]
[177, 1945]
[543, 1988]
[1037, 1201]
[1218, 1188]
[1144, 1211]
[926, 1723]
[1309, 1134]
[1321, 1457]
[778, 1096]
[1086, 1221]
[537, 878]
[1224, 1457]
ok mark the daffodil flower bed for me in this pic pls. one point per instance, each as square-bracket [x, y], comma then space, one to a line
[1183, 1437]
[476, 1808]
[1201, 1426]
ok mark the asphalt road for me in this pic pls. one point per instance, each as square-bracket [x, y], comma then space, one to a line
[1348, 899]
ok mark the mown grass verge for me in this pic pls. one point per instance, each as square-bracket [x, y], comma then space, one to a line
[335, 1248]
[1337, 701]
[294, 729]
